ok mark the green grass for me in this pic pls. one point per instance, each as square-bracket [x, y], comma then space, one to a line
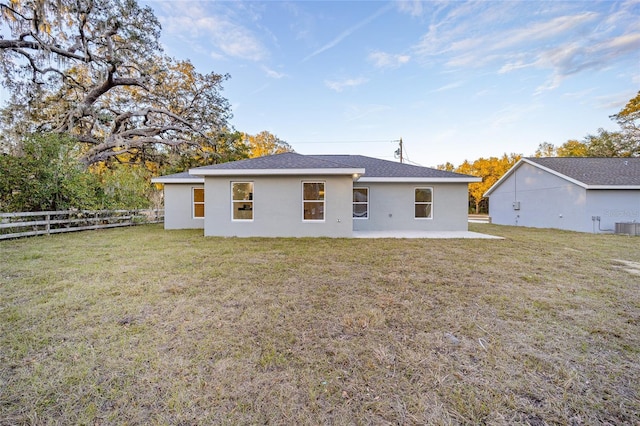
[145, 326]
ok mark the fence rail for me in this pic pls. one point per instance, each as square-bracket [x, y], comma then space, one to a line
[26, 224]
[479, 218]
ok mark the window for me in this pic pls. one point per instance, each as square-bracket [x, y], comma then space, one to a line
[313, 200]
[242, 200]
[198, 203]
[360, 203]
[423, 203]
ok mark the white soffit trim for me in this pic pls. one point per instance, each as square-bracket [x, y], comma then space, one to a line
[420, 179]
[178, 180]
[275, 172]
[613, 187]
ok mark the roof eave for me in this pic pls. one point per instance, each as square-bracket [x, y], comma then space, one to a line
[469, 179]
[177, 180]
[613, 187]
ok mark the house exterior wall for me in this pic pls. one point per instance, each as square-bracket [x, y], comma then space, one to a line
[391, 207]
[545, 201]
[277, 207]
[612, 206]
[178, 205]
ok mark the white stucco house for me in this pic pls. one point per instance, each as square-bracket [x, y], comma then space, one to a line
[577, 194]
[294, 195]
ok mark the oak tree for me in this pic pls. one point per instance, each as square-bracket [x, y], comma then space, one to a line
[94, 69]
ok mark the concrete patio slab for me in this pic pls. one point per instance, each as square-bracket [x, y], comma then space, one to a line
[423, 234]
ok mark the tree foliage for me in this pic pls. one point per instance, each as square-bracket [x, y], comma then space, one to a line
[46, 176]
[603, 144]
[629, 120]
[226, 146]
[264, 143]
[489, 169]
[94, 69]
[623, 143]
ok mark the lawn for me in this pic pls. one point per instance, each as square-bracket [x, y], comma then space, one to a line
[144, 326]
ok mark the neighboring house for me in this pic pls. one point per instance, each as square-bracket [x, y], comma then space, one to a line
[578, 194]
[294, 195]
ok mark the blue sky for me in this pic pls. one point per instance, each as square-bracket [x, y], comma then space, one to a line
[456, 80]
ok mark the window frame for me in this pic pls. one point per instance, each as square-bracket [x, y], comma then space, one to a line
[323, 201]
[366, 203]
[416, 203]
[249, 201]
[199, 203]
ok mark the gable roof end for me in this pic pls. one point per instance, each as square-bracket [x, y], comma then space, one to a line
[586, 172]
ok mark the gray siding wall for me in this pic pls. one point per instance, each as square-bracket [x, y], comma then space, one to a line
[612, 206]
[277, 208]
[391, 207]
[546, 201]
[178, 205]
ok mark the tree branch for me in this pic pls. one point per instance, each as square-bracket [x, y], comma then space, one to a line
[24, 44]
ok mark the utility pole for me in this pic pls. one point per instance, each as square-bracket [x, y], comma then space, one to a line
[399, 152]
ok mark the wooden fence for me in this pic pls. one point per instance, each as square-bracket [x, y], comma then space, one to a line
[481, 218]
[16, 225]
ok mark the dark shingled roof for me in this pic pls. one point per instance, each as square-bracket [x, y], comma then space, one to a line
[287, 160]
[595, 171]
[181, 175]
[375, 167]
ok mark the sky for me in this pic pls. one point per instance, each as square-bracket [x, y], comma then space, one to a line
[455, 80]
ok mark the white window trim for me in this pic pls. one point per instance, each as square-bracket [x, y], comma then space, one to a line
[324, 201]
[422, 202]
[193, 203]
[252, 201]
[353, 203]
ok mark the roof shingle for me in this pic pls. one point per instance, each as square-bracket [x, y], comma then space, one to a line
[375, 167]
[595, 171]
[286, 160]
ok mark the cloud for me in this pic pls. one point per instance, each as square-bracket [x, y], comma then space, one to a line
[412, 7]
[273, 74]
[346, 33]
[357, 112]
[448, 87]
[388, 60]
[542, 30]
[512, 114]
[339, 86]
[615, 101]
[214, 30]
[562, 38]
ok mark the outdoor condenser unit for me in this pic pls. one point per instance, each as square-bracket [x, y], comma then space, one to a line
[628, 228]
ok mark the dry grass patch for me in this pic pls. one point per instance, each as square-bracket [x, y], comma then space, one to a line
[143, 326]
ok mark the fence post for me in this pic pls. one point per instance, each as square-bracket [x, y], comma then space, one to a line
[48, 223]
